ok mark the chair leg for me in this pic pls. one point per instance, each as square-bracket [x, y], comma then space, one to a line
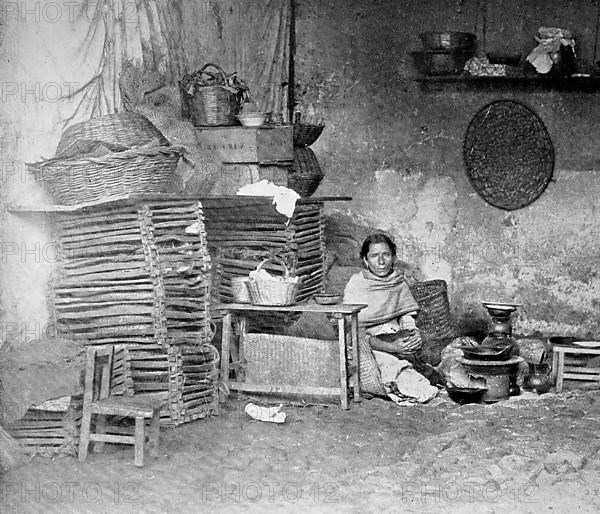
[560, 372]
[139, 441]
[154, 434]
[84, 435]
[100, 429]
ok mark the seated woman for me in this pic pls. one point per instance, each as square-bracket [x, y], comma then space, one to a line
[387, 324]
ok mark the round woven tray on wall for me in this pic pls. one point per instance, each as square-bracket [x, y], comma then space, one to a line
[508, 154]
[305, 174]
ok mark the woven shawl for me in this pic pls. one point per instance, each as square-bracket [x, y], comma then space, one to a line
[387, 298]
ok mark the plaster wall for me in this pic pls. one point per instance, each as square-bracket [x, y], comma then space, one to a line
[398, 152]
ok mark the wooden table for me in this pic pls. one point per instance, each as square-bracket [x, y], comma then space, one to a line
[572, 372]
[345, 314]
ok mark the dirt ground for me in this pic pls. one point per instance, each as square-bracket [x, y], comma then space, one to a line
[528, 454]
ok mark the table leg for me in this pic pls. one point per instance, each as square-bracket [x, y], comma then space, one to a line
[343, 361]
[234, 348]
[225, 345]
[560, 369]
[355, 356]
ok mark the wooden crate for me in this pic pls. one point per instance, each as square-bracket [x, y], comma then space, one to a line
[265, 145]
[187, 374]
[137, 274]
[49, 431]
[241, 235]
[133, 273]
[233, 176]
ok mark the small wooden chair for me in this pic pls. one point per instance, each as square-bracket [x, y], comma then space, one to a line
[98, 401]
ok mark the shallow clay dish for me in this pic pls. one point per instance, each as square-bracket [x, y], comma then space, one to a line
[328, 298]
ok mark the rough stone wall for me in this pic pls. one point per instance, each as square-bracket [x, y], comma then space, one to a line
[398, 152]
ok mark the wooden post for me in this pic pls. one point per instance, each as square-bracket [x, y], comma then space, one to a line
[355, 356]
[139, 441]
[225, 350]
[343, 361]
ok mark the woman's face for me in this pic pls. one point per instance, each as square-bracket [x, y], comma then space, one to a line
[380, 259]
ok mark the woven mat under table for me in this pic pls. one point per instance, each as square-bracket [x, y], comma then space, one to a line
[289, 360]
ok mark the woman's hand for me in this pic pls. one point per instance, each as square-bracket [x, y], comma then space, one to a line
[410, 344]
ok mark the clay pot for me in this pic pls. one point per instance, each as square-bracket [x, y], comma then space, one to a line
[539, 381]
[464, 395]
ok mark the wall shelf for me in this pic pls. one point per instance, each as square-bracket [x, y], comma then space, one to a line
[522, 83]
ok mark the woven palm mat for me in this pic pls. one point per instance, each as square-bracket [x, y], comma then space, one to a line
[508, 154]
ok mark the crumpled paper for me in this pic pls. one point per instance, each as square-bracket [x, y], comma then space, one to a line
[550, 40]
[283, 198]
[480, 66]
[270, 414]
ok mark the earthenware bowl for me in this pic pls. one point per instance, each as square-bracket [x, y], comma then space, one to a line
[328, 298]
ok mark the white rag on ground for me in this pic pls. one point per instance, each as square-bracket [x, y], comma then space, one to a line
[271, 414]
[283, 198]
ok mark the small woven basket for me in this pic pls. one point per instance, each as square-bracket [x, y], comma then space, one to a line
[305, 174]
[305, 134]
[273, 292]
[123, 128]
[239, 290]
[81, 179]
[210, 106]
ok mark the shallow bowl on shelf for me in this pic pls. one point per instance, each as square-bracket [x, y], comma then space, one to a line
[441, 62]
[255, 119]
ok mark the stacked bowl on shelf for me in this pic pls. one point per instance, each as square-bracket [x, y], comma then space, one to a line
[444, 53]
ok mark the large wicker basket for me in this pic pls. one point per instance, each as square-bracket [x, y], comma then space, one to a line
[80, 179]
[273, 292]
[124, 128]
[434, 319]
[211, 105]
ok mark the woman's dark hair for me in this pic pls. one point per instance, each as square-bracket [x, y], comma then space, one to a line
[378, 237]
